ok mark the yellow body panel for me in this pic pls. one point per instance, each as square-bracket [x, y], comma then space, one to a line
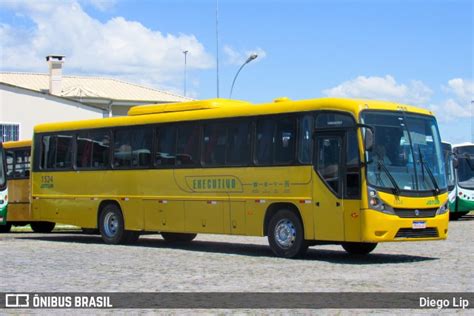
[220, 200]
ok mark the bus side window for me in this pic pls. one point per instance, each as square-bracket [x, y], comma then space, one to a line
[100, 141]
[141, 139]
[57, 152]
[84, 150]
[165, 146]
[214, 144]
[305, 139]
[20, 164]
[238, 143]
[187, 145]
[10, 155]
[122, 149]
[285, 141]
[264, 142]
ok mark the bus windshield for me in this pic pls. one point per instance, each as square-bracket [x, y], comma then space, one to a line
[448, 160]
[407, 156]
[465, 170]
[2, 168]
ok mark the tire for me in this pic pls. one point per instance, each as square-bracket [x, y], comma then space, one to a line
[286, 235]
[42, 227]
[112, 227]
[359, 248]
[454, 216]
[5, 228]
[178, 237]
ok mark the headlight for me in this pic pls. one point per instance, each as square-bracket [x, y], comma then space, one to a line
[442, 209]
[375, 203]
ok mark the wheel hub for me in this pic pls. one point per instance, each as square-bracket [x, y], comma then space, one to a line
[285, 233]
[110, 224]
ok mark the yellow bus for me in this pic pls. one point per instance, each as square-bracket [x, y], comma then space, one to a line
[321, 171]
[18, 155]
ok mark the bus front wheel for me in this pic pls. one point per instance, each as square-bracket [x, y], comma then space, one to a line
[42, 227]
[359, 248]
[112, 227]
[286, 235]
[454, 216]
[5, 228]
[178, 237]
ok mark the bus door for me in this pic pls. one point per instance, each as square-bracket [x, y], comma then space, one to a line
[336, 190]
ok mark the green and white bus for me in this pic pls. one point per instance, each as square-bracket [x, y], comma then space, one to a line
[3, 189]
[461, 200]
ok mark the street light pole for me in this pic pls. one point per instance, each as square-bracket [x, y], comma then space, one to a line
[251, 57]
[185, 62]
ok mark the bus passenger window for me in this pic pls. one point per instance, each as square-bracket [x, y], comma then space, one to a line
[84, 150]
[141, 139]
[265, 140]
[285, 141]
[10, 158]
[100, 148]
[188, 145]
[214, 143]
[21, 164]
[93, 149]
[305, 145]
[122, 149]
[166, 146]
[238, 143]
[63, 152]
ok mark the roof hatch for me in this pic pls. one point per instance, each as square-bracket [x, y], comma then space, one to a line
[183, 106]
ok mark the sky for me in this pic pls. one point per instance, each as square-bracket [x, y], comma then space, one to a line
[416, 52]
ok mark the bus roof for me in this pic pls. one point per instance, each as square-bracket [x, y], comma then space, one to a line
[224, 108]
[17, 144]
[466, 144]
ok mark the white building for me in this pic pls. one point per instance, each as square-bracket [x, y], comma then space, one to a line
[28, 99]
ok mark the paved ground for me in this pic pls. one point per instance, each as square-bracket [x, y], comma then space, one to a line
[69, 261]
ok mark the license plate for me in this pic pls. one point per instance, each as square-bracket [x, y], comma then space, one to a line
[419, 225]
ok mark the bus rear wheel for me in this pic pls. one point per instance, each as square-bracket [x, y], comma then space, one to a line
[286, 235]
[5, 228]
[112, 227]
[178, 237]
[359, 248]
[42, 227]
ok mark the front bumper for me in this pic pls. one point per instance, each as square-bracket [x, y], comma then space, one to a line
[380, 227]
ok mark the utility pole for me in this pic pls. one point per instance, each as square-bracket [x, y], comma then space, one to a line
[217, 46]
[185, 55]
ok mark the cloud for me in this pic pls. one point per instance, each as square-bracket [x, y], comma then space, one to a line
[382, 88]
[462, 89]
[101, 5]
[235, 57]
[117, 47]
[459, 104]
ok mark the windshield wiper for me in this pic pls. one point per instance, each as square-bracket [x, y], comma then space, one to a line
[432, 177]
[381, 165]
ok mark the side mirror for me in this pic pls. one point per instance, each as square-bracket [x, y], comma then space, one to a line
[455, 162]
[369, 139]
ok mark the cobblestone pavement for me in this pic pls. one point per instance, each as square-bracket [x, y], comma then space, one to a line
[70, 261]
